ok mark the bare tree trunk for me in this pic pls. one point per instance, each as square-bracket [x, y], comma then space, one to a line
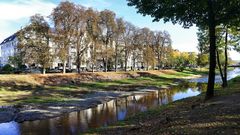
[225, 83]
[44, 70]
[134, 62]
[64, 67]
[161, 55]
[116, 58]
[106, 60]
[93, 55]
[125, 68]
[92, 67]
[78, 64]
[106, 64]
[212, 65]
[147, 65]
[219, 66]
[158, 62]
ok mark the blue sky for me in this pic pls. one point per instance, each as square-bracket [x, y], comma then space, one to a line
[15, 14]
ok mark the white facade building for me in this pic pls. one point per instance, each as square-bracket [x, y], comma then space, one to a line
[0, 56]
[8, 48]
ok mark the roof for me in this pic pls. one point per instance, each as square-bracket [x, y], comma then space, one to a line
[11, 38]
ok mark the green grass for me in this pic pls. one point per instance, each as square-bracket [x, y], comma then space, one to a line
[233, 87]
[36, 99]
[201, 71]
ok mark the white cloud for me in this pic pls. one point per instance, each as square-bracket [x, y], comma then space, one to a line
[15, 14]
[22, 9]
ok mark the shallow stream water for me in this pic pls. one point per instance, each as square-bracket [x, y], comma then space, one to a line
[231, 74]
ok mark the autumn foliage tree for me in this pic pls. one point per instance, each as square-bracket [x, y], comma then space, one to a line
[79, 39]
[63, 17]
[107, 28]
[93, 33]
[34, 43]
[161, 44]
[127, 42]
[118, 39]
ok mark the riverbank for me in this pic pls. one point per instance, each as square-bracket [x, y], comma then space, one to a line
[220, 115]
[33, 97]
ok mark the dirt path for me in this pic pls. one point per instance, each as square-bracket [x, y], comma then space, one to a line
[192, 116]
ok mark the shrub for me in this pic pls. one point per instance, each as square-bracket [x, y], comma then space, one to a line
[180, 69]
[7, 69]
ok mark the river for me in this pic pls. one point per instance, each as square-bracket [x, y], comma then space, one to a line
[231, 74]
[108, 113]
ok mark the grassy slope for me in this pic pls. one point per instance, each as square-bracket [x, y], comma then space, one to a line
[15, 89]
[219, 115]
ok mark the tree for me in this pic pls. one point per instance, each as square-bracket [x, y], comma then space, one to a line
[162, 41]
[158, 47]
[203, 60]
[192, 59]
[137, 48]
[80, 39]
[127, 39]
[16, 60]
[118, 38]
[208, 13]
[174, 59]
[235, 31]
[34, 42]
[63, 17]
[180, 60]
[93, 32]
[147, 40]
[107, 28]
[149, 57]
[203, 40]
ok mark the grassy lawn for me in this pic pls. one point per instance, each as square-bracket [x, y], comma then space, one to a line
[202, 71]
[233, 88]
[219, 115]
[16, 89]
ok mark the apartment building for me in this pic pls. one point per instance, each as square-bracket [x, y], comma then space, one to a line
[8, 48]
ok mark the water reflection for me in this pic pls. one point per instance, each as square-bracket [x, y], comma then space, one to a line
[101, 115]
